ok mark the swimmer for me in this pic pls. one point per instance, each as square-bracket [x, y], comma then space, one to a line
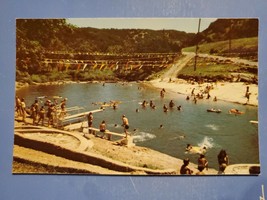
[179, 107]
[181, 137]
[161, 126]
[151, 103]
[195, 100]
[192, 92]
[195, 149]
[144, 103]
[235, 111]
[171, 104]
[188, 147]
[165, 109]
[162, 92]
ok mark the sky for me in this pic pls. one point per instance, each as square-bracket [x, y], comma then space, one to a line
[189, 25]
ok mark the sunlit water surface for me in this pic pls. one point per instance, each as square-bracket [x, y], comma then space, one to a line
[215, 131]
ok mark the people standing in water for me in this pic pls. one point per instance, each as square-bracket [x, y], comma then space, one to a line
[171, 104]
[185, 170]
[162, 93]
[195, 100]
[151, 103]
[144, 104]
[193, 92]
[125, 124]
[165, 108]
[187, 98]
[90, 122]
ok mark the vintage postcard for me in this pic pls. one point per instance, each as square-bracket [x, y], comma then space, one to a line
[137, 96]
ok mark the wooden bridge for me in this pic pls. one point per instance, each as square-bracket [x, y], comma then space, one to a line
[81, 61]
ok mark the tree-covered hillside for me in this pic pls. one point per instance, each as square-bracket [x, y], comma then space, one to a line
[41, 41]
[225, 29]
[127, 40]
[47, 46]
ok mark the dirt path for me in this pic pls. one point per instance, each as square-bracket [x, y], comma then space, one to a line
[181, 63]
[177, 66]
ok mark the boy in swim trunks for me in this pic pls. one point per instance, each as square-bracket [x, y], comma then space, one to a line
[125, 124]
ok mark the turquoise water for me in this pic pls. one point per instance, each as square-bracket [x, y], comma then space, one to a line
[199, 128]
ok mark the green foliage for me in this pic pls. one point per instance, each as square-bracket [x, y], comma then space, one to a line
[244, 47]
[214, 69]
[36, 39]
[223, 29]
[36, 78]
[22, 76]
[126, 40]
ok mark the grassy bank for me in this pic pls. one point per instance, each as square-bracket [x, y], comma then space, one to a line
[244, 47]
[215, 70]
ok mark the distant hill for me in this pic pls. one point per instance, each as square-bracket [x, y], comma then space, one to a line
[127, 40]
[225, 29]
[229, 37]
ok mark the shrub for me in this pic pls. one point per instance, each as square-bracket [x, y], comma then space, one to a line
[36, 78]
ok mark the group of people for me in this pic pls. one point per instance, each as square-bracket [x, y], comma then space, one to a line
[38, 113]
[202, 94]
[223, 161]
[103, 127]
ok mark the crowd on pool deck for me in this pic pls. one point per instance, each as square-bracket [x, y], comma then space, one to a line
[52, 110]
[39, 113]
